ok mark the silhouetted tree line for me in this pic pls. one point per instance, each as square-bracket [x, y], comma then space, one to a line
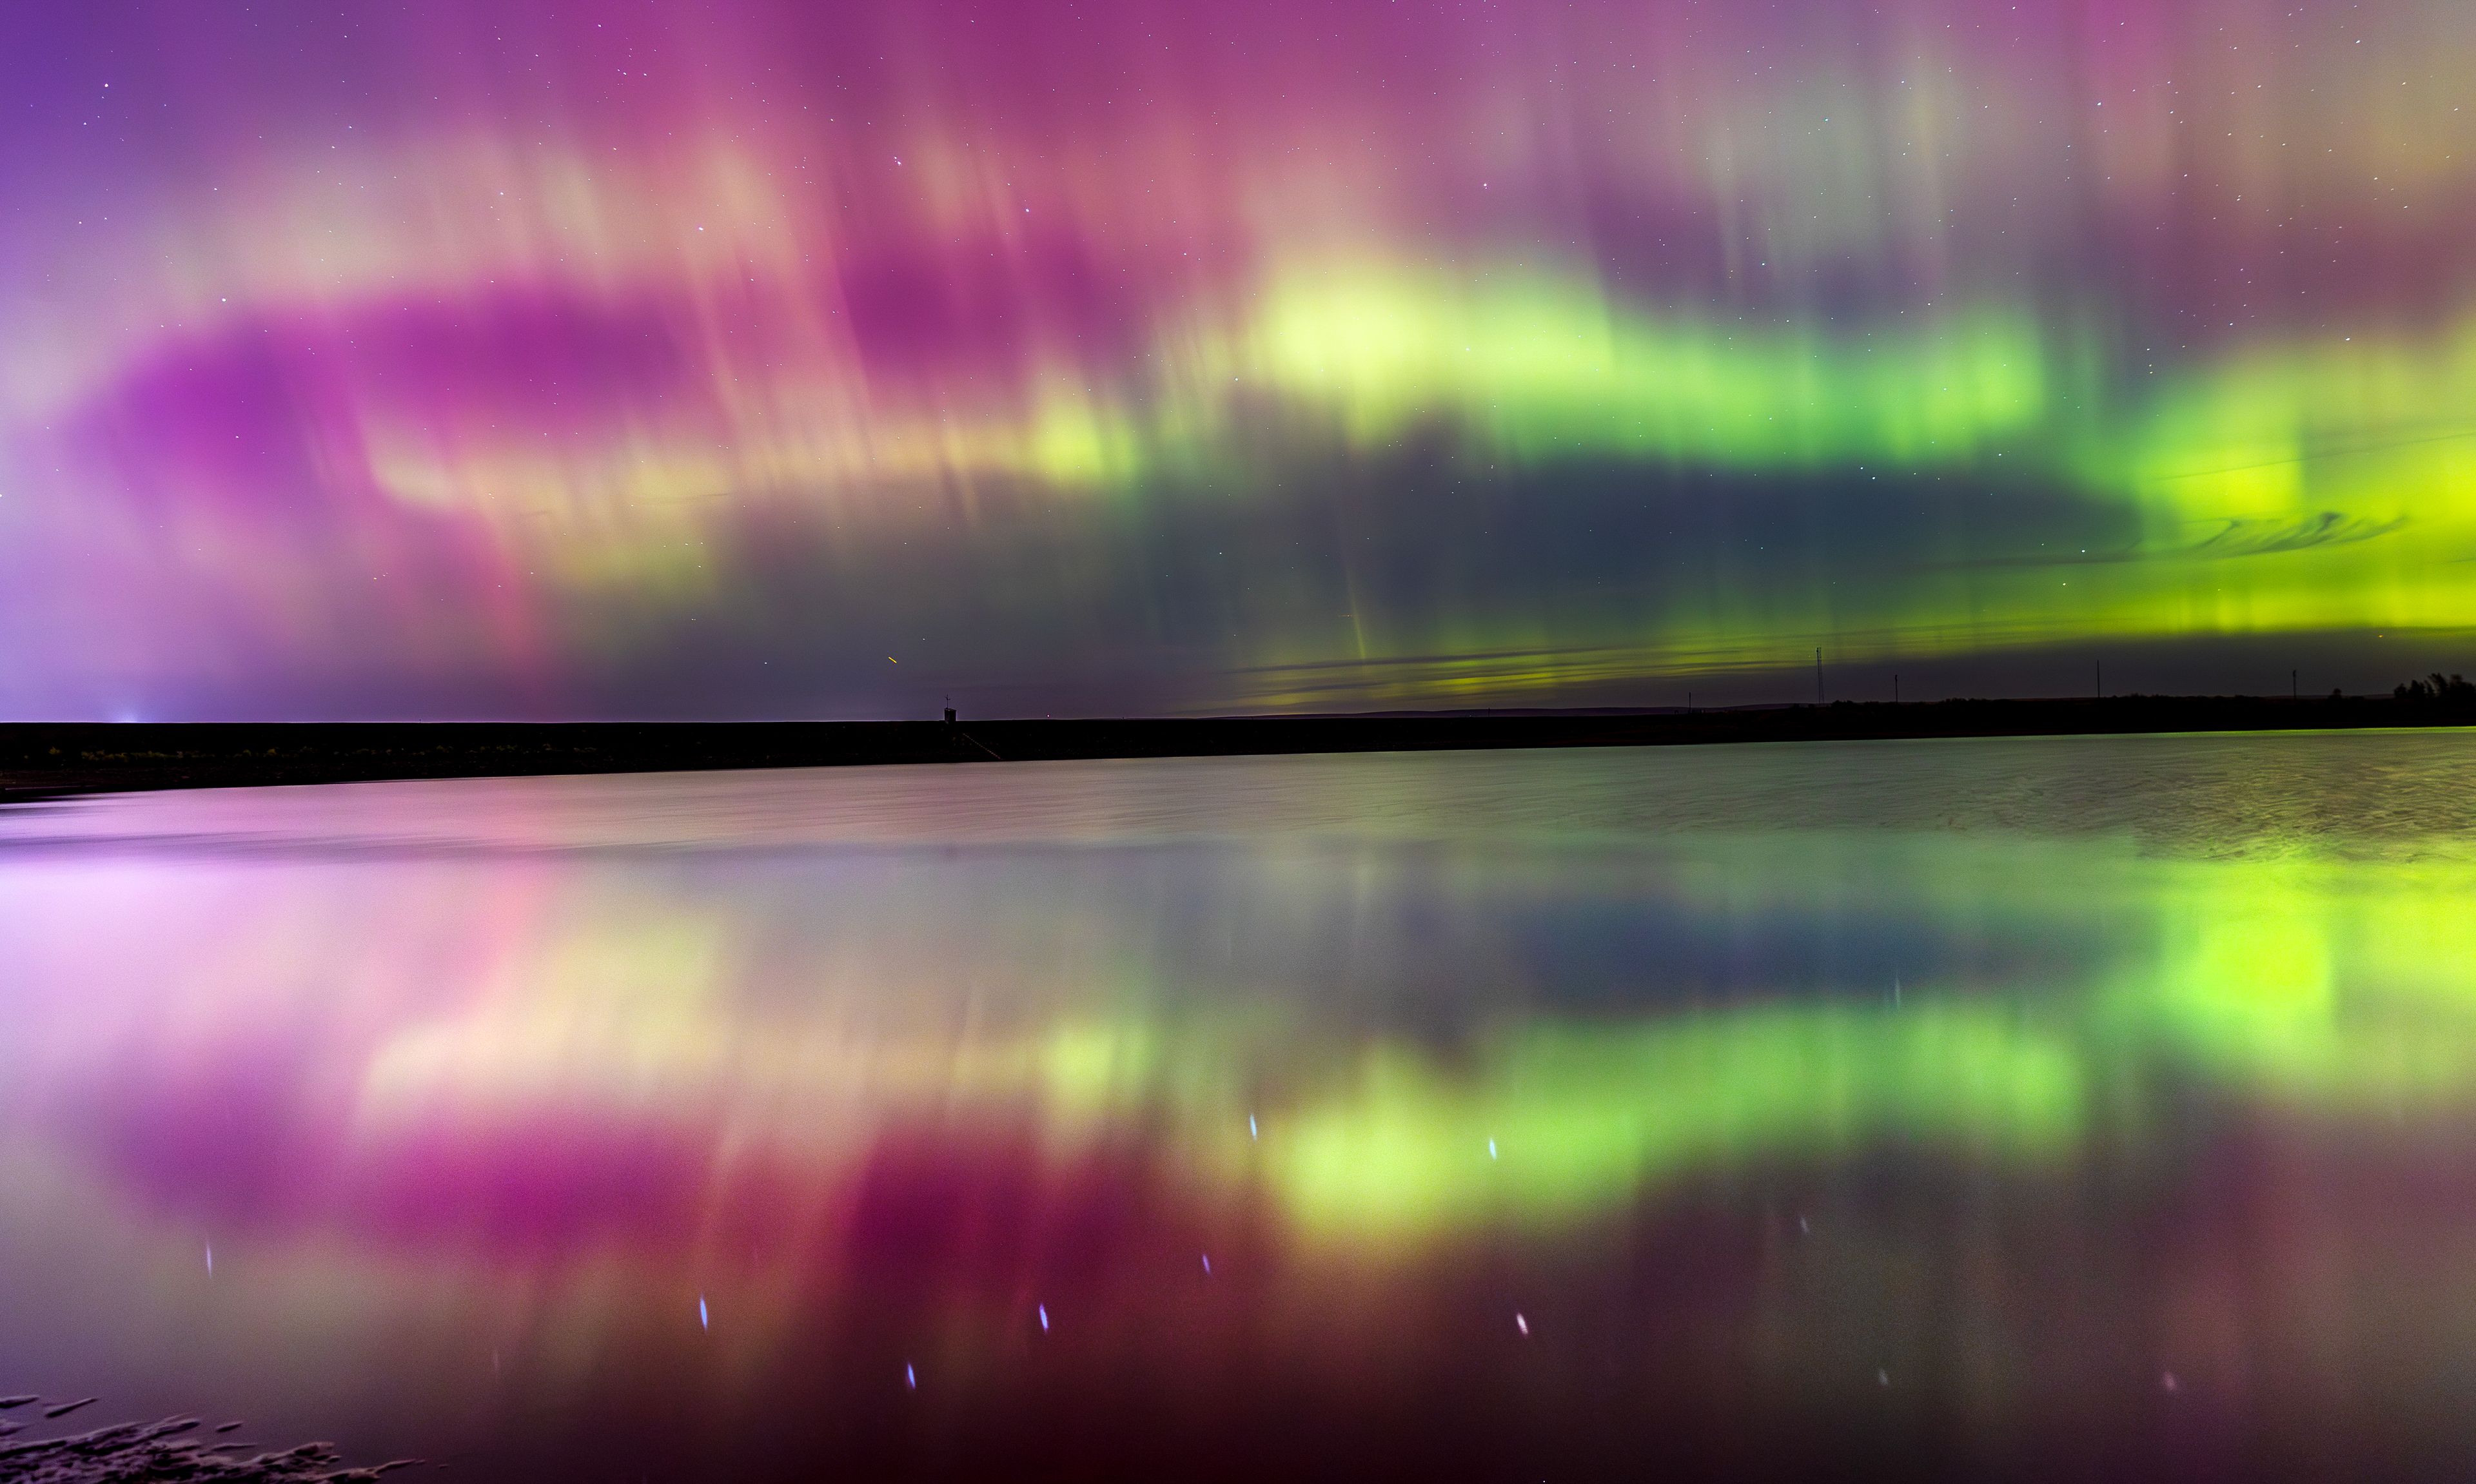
[2435, 690]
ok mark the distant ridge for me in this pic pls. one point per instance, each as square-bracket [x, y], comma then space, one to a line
[43, 760]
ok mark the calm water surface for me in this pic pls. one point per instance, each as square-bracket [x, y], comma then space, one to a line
[2035, 1108]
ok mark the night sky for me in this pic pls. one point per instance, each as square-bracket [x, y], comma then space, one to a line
[502, 357]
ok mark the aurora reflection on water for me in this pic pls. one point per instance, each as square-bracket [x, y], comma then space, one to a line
[1994, 1105]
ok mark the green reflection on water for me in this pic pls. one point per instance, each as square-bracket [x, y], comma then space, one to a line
[2333, 988]
[2343, 985]
[1582, 1117]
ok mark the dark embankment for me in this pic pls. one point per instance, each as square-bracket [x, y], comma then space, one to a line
[38, 759]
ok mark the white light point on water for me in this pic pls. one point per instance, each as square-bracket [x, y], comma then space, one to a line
[1044, 1319]
[1207, 1265]
[211, 1259]
[705, 1318]
[1491, 1149]
[910, 1378]
[1251, 1126]
[1521, 1321]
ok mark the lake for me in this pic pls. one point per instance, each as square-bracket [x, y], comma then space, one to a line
[2004, 1108]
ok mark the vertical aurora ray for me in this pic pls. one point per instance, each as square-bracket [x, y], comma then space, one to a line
[507, 360]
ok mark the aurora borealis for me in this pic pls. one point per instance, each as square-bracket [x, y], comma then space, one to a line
[1983, 1106]
[769, 358]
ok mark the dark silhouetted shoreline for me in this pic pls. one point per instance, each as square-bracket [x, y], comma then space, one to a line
[41, 759]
